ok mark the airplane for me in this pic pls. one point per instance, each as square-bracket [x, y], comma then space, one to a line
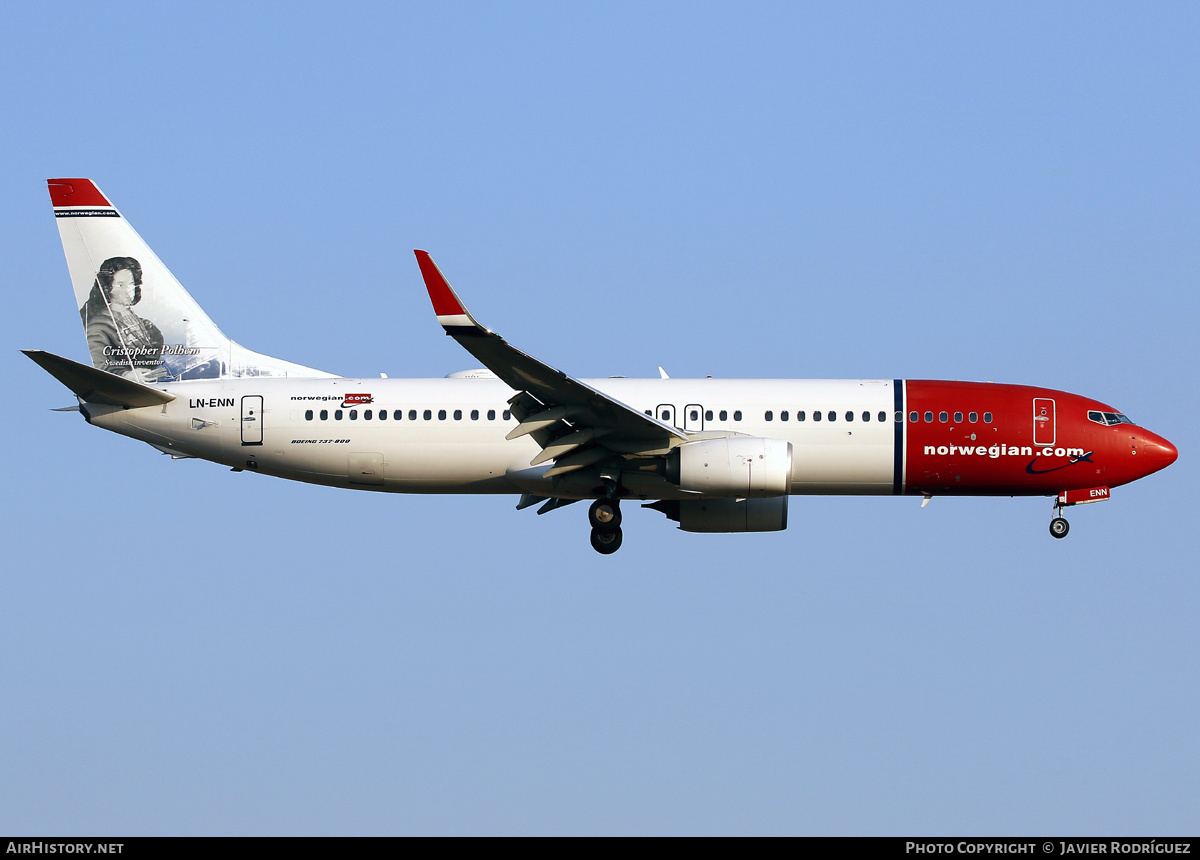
[713, 455]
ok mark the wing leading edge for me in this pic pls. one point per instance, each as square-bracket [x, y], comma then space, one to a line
[576, 425]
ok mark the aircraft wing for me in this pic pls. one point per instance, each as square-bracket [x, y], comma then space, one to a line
[576, 425]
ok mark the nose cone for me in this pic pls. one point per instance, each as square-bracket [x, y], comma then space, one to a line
[1158, 453]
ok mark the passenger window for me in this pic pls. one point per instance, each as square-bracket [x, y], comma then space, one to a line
[427, 415]
[783, 416]
[353, 414]
[867, 416]
[928, 417]
[832, 415]
[768, 415]
[899, 417]
[943, 417]
[412, 415]
[800, 416]
[337, 415]
[724, 416]
[474, 414]
[648, 412]
[958, 418]
[367, 415]
[817, 415]
[458, 415]
[383, 415]
[987, 418]
[491, 415]
[883, 417]
[666, 415]
[849, 415]
[308, 415]
[737, 415]
[441, 415]
[507, 414]
[695, 413]
[324, 414]
[914, 417]
[708, 415]
[972, 417]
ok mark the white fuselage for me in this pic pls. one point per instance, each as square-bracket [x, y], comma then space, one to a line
[456, 442]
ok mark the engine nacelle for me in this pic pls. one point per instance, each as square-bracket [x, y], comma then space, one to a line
[741, 467]
[727, 515]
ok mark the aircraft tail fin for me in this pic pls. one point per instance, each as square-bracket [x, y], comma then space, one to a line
[140, 322]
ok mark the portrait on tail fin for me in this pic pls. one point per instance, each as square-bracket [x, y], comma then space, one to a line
[120, 341]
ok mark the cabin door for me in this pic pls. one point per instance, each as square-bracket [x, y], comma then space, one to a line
[1044, 430]
[252, 419]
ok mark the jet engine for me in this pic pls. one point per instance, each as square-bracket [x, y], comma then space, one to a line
[740, 467]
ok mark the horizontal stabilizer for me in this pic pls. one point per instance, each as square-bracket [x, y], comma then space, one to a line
[98, 386]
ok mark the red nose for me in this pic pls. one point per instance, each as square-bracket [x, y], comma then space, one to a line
[1157, 452]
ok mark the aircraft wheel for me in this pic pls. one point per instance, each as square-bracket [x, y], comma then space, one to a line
[606, 542]
[1059, 527]
[604, 515]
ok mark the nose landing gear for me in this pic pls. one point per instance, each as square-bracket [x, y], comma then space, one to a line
[1067, 498]
[1059, 525]
[604, 516]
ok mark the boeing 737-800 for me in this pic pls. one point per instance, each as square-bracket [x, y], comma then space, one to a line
[715, 455]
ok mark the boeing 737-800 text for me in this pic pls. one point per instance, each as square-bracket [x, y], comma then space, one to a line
[714, 455]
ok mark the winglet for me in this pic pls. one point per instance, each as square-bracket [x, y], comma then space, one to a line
[451, 312]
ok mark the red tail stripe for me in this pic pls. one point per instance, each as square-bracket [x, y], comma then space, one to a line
[75, 192]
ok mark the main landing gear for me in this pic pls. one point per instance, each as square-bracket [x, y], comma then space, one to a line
[604, 516]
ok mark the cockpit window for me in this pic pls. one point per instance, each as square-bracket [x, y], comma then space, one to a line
[1108, 418]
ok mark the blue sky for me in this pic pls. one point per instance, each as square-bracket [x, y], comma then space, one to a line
[1001, 192]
